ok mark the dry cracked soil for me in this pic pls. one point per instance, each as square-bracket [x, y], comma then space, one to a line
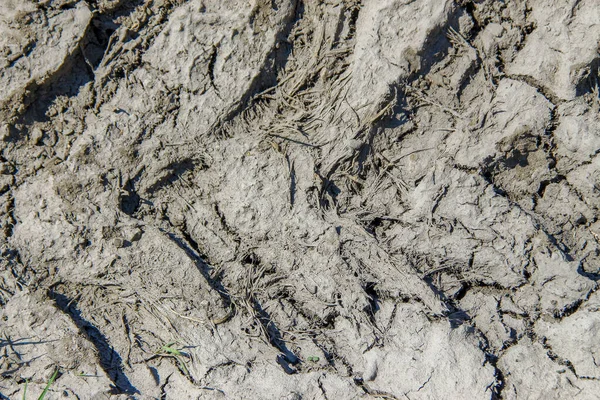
[299, 199]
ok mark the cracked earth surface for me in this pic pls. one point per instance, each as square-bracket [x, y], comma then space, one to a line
[300, 199]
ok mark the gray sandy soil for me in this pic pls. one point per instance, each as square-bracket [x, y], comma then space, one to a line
[287, 199]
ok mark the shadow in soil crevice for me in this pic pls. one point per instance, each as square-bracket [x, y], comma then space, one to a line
[109, 358]
[191, 248]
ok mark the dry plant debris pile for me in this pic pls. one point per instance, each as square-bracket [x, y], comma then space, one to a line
[294, 199]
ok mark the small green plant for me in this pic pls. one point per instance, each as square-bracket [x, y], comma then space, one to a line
[313, 359]
[84, 375]
[169, 351]
[25, 390]
[50, 382]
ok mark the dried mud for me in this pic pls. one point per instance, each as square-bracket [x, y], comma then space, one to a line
[296, 199]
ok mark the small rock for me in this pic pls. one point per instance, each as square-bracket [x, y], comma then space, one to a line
[495, 29]
[132, 234]
[4, 132]
[36, 136]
